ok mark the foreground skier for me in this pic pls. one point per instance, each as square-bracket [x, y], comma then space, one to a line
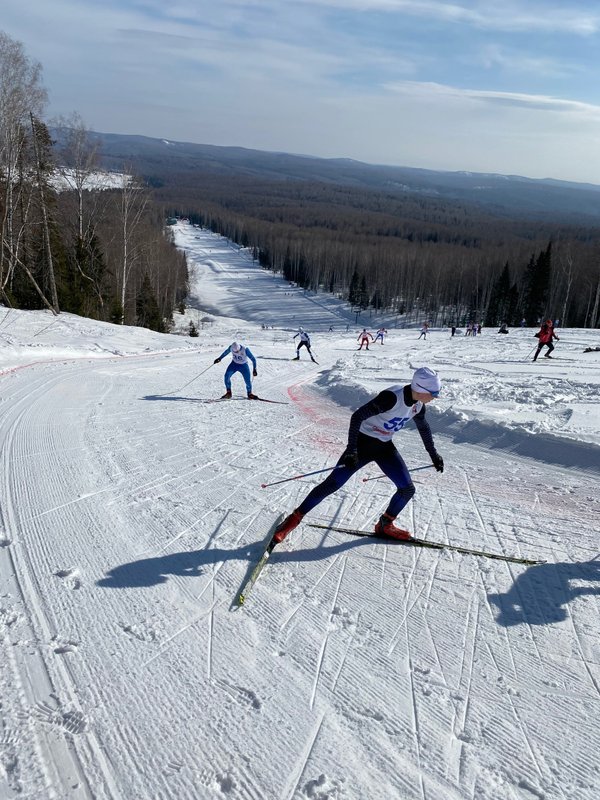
[372, 427]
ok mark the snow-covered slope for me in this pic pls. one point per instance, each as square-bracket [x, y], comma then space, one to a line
[131, 508]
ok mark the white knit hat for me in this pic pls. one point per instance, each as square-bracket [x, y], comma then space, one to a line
[425, 380]
[235, 347]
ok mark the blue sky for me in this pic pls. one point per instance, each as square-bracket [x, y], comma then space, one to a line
[505, 87]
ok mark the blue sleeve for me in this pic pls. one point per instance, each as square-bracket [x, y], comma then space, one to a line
[250, 356]
[224, 353]
[425, 431]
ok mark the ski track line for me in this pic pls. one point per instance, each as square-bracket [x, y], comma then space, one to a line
[584, 660]
[167, 644]
[289, 789]
[466, 677]
[414, 711]
[191, 527]
[535, 759]
[309, 592]
[509, 650]
[401, 624]
[346, 652]
[210, 584]
[28, 587]
[326, 637]
[510, 569]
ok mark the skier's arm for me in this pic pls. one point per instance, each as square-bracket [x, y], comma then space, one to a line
[223, 354]
[251, 357]
[427, 438]
[383, 402]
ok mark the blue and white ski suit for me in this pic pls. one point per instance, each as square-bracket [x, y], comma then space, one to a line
[239, 364]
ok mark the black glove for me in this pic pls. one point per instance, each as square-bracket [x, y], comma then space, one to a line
[349, 458]
[216, 361]
[438, 462]
[254, 373]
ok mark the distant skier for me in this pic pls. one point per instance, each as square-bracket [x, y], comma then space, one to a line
[424, 331]
[304, 342]
[372, 427]
[503, 328]
[380, 334]
[545, 336]
[363, 338]
[239, 363]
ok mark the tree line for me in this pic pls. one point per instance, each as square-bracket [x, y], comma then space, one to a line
[69, 240]
[416, 256]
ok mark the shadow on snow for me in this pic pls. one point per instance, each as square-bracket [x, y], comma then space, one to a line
[539, 595]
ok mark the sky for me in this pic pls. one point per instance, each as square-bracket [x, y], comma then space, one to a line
[508, 88]
[133, 507]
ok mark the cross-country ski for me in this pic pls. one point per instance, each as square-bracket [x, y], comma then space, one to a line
[415, 542]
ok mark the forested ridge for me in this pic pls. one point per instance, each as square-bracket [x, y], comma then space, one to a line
[411, 255]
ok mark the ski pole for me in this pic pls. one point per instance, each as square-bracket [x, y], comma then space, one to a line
[415, 469]
[304, 475]
[188, 383]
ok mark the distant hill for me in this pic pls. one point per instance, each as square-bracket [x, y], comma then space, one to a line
[158, 160]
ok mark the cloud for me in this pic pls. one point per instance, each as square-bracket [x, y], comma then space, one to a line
[430, 91]
[504, 16]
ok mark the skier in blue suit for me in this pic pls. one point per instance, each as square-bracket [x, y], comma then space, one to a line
[239, 363]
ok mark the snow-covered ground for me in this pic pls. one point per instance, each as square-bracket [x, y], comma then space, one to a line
[131, 509]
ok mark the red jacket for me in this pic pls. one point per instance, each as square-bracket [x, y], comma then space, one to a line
[546, 333]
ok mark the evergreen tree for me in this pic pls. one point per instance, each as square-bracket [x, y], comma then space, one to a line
[363, 297]
[354, 289]
[535, 285]
[146, 308]
[499, 299]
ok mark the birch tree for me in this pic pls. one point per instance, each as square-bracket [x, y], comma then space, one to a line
[21, 94]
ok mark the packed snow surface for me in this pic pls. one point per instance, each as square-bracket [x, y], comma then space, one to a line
[131, 510]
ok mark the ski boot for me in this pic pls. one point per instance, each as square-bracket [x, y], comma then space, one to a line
[288, 524]
[227, 395]
[386, 528]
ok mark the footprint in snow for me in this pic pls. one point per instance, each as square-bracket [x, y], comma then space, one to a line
[70, 577]
[61, 646]
[324, 788]
[73, 722]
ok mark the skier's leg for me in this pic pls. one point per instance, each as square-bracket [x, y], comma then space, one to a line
[244, 370]
[392, 464]
[334, 481]
[228, 374]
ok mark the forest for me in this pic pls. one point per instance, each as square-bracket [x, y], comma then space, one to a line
[415, 256]
[71, 240]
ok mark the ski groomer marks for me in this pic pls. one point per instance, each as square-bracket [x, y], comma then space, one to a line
[431, 545]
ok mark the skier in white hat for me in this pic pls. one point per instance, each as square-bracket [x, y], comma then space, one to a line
[239, 363]
[372, 427]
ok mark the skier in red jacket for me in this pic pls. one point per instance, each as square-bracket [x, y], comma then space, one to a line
[545, 336]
